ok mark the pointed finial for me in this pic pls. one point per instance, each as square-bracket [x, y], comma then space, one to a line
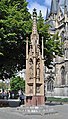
[34, 13]
[34, 29]
[34, 35]
[47, 14]
[54, 6]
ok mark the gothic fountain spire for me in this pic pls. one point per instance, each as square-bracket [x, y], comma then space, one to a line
[34, 68]
[34, 35]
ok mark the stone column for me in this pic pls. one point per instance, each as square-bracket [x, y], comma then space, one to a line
[27, 48]
[42, 48]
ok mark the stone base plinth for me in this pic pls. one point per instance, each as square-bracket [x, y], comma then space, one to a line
[36, 110]
[34, 100]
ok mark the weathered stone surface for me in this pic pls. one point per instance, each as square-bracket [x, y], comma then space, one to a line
[34, 68]
[59, 23]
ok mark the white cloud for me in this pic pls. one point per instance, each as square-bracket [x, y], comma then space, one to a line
[38, 7]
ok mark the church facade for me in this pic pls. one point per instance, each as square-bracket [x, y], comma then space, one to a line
[57, 78]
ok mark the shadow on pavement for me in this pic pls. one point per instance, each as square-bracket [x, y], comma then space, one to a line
[53, 103]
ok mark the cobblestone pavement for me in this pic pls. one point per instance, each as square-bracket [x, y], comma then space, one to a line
[14, 113]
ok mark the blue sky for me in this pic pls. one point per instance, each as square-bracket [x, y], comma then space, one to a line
[39, 5]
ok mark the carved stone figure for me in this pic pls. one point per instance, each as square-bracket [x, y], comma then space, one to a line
[31, 69]
[38, 70]
[34, 69]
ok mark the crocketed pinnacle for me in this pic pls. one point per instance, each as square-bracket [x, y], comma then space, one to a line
[34, 28]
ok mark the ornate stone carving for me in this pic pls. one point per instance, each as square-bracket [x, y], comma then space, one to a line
[34, 69]
[38, 70]
[38, 89]
[31, 68]
[31, 89]
[37, 54]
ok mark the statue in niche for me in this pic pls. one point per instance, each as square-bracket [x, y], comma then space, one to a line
[37, 51]
[38, 89]
[31, 69]
[38, 70]
[31, 89]
[31, 49]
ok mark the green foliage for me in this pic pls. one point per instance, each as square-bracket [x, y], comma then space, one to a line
[17, 83]
[53, 99]
[15, 25]
[52, 45]
[3, 85]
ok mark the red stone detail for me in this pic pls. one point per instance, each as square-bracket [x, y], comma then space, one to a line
[35, 100]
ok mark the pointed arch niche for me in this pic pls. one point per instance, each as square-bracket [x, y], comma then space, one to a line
[31, 68]
[38, 69]
[63, 75]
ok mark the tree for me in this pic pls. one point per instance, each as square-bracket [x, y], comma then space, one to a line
[15, 24]
[52, 45]
[17, 83]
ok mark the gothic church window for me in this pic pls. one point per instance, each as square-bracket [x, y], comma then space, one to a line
[50, 85]
[63, 75]
[50, 82]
